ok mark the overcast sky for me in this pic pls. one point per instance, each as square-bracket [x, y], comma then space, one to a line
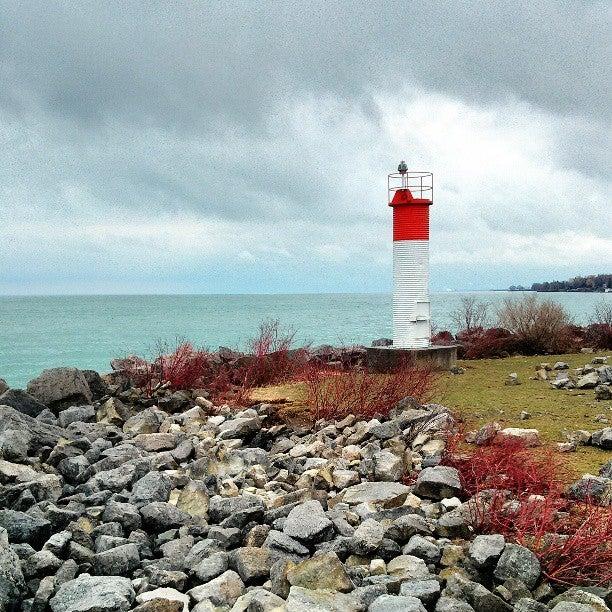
[240, 147]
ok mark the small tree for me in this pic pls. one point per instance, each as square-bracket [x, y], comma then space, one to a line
[470, 314]
[540, 326]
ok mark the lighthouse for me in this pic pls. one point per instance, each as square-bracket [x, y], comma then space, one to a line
[410, 195]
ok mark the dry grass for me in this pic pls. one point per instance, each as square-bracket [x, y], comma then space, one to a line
[479, 396]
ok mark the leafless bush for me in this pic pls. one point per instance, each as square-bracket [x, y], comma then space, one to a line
[470, 314]
[602, 313]
[539, 326]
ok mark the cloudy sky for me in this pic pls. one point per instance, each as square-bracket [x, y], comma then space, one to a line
[239, 147]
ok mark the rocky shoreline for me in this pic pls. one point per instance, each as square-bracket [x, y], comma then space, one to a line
[113, 500]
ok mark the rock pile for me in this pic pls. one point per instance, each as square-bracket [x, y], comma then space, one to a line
[113, 501]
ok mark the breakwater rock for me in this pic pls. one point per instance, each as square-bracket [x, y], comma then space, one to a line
[113, 501]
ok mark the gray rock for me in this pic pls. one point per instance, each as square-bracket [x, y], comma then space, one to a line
[94, 594]
[482, 600]
[252, 564]
[161, 516]
[15, 444]
[212, 566]
[320, 600]
[241, 427]
[526, 604]
[11, 578]
[388, 467]
[24, 528]
[60, 387]
[584, 596]
[153, 487]
[164, 599]
[119, 561]
[41, 434]
[3, 386]
[387, 494]
[155, 442]
[427, 591]
[602, 438]
[588, 381]
[324, 571]
[596, 488]
[126, 515]
[602, 393]
[450, 604]
[221, 591]
[518, 562]
[41, 563]
[368, 537]
[407, 567]
[438, 482]
[281, 542]
[145, 422]
[259, 600]
[418, 546]
[22, 401]
[570, 606]
[307, 522]
[396, 603]
[606, 470]
[84, 414]
[485, 550]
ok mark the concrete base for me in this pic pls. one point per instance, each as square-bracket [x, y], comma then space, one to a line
[386, 358]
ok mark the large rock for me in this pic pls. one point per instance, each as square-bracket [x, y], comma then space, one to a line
[407, 567]
[94, 594]
[3, 386]
[41, 434]
[252, 563]
[22, 401]
[161, 516]
[519, 563]
[320, 600]
[118, 561]
[308, 523]
[152, 487]
[163, 599]
[588, 381]
[24, 528]
[324, 571]
[602, 438]
[396, 603]
[221, 591]
[60, 387]
[385, 494]
[485, 550]
[388, 467]
[529, 437]
[11, 578]
[438, 482]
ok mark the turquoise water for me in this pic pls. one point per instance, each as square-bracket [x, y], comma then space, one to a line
[88, 331]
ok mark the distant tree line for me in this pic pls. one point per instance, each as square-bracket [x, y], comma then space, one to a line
[595, 282]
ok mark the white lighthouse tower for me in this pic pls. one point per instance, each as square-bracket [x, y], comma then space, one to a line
[410, 194]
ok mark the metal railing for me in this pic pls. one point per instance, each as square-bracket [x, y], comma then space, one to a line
[419, 183]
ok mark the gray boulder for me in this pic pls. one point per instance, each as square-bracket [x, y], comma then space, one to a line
[161, 516]
[320, 600]
[118, 561]
[24, 528]
[221, 591]
[41, 434]
[60, 387]
[94, 594]
[450, 604]
[396, 603]
[308, 523]
[485, 550]
[602, 438]
[11, 578]
[83, 414]
[438, 482]
[22, 401]
[520, 563]
[153, 487]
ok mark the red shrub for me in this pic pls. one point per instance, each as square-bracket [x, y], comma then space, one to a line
[598, 335]
[184, 367]
[518, 492]
[506, 465]
[479, 343]
[335, 394]
[443, 338]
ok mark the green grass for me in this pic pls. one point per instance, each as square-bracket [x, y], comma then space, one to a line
[479, 396]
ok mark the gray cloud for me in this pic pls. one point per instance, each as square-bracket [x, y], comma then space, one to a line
[274, 123]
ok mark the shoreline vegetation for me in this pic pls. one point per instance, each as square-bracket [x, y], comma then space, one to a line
[595, 283]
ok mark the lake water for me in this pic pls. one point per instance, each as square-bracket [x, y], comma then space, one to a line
[88, 331]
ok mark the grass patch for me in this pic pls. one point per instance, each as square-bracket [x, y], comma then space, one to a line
[479, 396]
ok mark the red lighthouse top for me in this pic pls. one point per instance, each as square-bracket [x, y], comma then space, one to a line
[410, 194]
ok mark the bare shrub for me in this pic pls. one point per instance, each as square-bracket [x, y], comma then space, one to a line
[470, 314]
[334, 394]
[602, 313]
[539, 326]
